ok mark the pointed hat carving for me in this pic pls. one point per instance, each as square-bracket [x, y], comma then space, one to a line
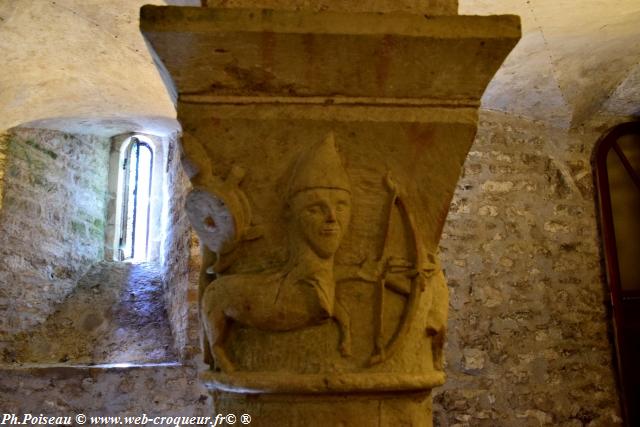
[319, 166]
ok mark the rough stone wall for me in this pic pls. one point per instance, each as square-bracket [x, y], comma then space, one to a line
[528, 340]
[51, 222]
[64, 391]
[180, 289]
[194, 329]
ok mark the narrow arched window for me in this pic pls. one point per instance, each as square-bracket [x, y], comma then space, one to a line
[136, 201]
[617, 168]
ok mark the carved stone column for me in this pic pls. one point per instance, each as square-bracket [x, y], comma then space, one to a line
[324, 149]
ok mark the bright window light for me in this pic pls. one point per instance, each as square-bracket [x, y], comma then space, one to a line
[136, 207]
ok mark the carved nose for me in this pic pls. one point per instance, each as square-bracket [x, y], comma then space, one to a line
[331, 215]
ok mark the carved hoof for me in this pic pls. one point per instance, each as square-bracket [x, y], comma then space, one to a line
[376, 359]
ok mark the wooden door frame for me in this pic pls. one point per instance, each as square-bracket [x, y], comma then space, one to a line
[603, 195]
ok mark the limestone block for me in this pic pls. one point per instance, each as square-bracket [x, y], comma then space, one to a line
[412, 409]
[242, 52]
[431, 7]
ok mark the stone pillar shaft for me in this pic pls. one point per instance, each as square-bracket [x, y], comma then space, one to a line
[324, 149]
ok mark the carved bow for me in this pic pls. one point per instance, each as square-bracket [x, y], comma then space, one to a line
[386, 269]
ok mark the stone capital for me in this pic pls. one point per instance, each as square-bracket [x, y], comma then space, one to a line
[324, 147]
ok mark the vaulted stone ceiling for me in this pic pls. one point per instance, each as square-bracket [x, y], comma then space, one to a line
[82, 65]
[576, 59]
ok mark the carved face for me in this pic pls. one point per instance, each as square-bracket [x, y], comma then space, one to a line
[322, 216]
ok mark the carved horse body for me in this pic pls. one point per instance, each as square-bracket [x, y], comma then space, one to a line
[276, 301]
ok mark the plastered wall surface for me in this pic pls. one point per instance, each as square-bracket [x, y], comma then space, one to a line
[51, 222]
[81, 67]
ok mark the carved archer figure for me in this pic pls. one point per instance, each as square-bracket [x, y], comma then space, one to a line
[302, 292]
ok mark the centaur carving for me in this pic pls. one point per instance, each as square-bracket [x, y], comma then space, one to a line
[301, 292]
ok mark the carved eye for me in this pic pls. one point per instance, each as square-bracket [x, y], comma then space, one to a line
[342, 206]
[314, 210]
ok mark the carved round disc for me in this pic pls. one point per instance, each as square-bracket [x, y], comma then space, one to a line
[212, 220]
